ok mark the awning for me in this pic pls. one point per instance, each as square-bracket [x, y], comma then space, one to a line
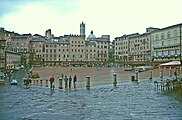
[170, 64]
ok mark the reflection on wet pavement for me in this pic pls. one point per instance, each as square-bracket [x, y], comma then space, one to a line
[126, 101]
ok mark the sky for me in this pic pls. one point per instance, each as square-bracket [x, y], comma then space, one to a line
[104, 17]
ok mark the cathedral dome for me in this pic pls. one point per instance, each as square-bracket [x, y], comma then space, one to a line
[91, 36]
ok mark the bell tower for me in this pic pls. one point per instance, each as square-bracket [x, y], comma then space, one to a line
[82, 29]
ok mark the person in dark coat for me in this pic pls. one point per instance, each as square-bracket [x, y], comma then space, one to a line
[66, 81]
[74, 81]
[70, 80]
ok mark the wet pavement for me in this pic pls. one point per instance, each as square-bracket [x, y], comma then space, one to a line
[127, 101]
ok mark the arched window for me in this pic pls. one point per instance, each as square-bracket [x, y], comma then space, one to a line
[175, 33]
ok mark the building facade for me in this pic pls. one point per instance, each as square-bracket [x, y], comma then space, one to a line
[75, 50]
[139, 49]
[37, 50]
[166, 43]
[2, 59]
[121, 48]
[13, 60]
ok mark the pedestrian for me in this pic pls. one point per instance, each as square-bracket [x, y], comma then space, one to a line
[26, 82]
[51, 82]
[29, 81]
[70, 80]
[66, 81]
[74, 81]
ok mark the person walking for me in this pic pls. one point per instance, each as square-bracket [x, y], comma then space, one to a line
[26, 82]
[74, 81]
[70, 80]
[51, 82]
[66, 81]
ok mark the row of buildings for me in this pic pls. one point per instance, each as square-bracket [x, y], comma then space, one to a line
[75, 50]
[154, 46]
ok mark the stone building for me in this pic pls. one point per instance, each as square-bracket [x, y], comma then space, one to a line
[98, 48]
[37, 49]
[139, 49]
[66, 50]
[2, 59]
[166, 43]
[13, 60]
[121, 48]
[20, 43]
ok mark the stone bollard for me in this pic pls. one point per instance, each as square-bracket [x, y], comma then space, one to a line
[60, 83]
[41, 82]
[37, 82]
[178, 72]
[115, 79]
[150, 75]
[161, 74]
[132, 78]
[46, 82]
[136, 79]
[170, 72]
[88, 82]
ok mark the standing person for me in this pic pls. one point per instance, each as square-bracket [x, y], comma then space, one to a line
[70, 80]
[74, 81]
[26, 82]
[51, 82]
[66, 81]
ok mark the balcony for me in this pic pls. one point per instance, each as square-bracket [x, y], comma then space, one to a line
[166, 46]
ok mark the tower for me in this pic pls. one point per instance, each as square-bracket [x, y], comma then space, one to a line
[82, 29]
[48, 33]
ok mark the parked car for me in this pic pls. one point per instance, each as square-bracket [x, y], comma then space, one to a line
[14, 82]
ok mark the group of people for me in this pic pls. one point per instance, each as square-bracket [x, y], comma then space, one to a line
[67, 80]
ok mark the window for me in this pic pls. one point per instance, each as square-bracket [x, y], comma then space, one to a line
[168, 42]
[168, 35]
[156, 37]
[162, 43]
[169, 52]
[175, 33]
[162, 36]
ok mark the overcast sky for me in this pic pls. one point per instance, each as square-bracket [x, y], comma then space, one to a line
[113, 17]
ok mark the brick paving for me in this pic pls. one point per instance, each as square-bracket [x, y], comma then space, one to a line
[99, 76]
